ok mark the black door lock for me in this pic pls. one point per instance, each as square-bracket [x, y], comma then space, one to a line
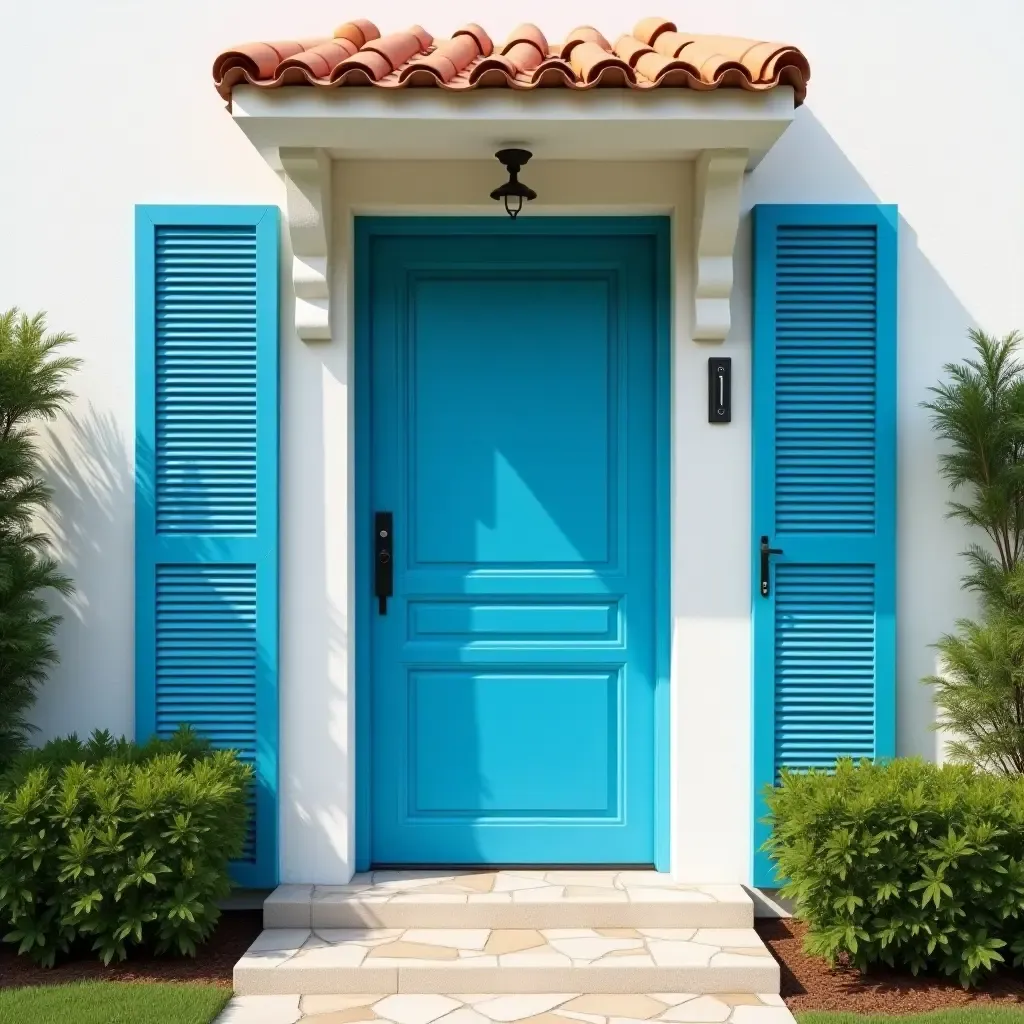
[766, 554]
[383, 561]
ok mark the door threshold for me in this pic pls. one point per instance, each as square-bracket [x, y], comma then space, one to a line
[511, 867]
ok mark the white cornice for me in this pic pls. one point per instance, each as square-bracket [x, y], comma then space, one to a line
[557, 124]
[717, 192]
[307, 178]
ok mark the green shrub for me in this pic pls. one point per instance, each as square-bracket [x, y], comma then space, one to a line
[118, 845]
[102, 746]
[904, 863]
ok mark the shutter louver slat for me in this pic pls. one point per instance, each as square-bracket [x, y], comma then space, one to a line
[206, 405]
[820, 486]
[824, 664]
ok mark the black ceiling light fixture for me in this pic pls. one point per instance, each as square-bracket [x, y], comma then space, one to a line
[513, 191]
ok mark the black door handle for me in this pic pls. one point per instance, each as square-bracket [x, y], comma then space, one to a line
[383, 560]
[766, 554]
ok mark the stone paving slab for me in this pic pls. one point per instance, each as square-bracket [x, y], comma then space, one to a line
[499, 960]
[509, 899]
[525, 1008]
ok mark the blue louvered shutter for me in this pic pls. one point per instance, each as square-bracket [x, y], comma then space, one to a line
[206, 490]
[824, 442]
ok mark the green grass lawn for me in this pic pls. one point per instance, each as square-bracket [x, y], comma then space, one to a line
[112, 1002]
[963, 1015]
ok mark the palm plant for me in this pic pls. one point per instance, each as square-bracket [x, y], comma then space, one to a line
[33, 375]
[979, 412]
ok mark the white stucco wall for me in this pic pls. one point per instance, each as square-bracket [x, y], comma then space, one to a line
[110, 104]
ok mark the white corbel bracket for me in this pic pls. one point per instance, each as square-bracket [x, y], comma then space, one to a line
[307, 178]
[717, 192]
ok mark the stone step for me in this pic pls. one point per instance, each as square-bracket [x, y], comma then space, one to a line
[543, 1008]
[509, 899]
[623, 960]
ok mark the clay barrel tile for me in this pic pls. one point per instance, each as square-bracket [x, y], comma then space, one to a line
[483, 41]
[231, 78]
[714, 59]
[725, 72]
[789, 75]
[755, 56]
[494, 70]
[630, 49]
[429, 70]
[552, 72]
[425, 38]
[786, 57]
[364, 66]
[649, 29]
[395, 48]
[295, 74]
[668, 70]
[613, 73]
[248, 57]
[450, 58]
[671, 76]
[359, 32]
[751, 53]
[671, 44]
[529, 35]
[460, 50]
[592, 62]
[654, 54]
[258, 60]
[320, 60]
[583, 34]
[524, 56]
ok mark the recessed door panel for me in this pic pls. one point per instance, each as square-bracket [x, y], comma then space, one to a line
[469, 726]
[491, 393]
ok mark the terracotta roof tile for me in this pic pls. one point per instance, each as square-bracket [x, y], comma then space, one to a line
[359, 31]
[654, 54]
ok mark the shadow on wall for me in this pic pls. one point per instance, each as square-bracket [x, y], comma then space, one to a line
[316, 656]
[208, 647]
[88, 464]
[808, 166]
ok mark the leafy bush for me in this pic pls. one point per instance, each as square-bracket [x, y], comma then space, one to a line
[118, 844]
[102, 746]
[905, 863]
[33, 375]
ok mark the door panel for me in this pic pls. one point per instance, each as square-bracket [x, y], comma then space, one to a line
[514, 409]
[513, 676]
[468, 725]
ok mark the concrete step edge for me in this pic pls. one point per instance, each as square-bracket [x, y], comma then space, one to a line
[601, 1008]
[297, 906]
[442, 960]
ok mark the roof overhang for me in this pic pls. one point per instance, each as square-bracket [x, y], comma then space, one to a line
[726, 132]
[600, 124]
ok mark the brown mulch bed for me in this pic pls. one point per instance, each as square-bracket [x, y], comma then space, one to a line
[235, 932]
[808, 983]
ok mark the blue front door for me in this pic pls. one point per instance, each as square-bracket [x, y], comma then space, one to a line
[514, 438]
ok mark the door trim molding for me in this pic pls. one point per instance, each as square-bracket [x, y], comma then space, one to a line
[366, 229]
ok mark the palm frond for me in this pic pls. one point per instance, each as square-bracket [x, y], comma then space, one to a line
[34, 373]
